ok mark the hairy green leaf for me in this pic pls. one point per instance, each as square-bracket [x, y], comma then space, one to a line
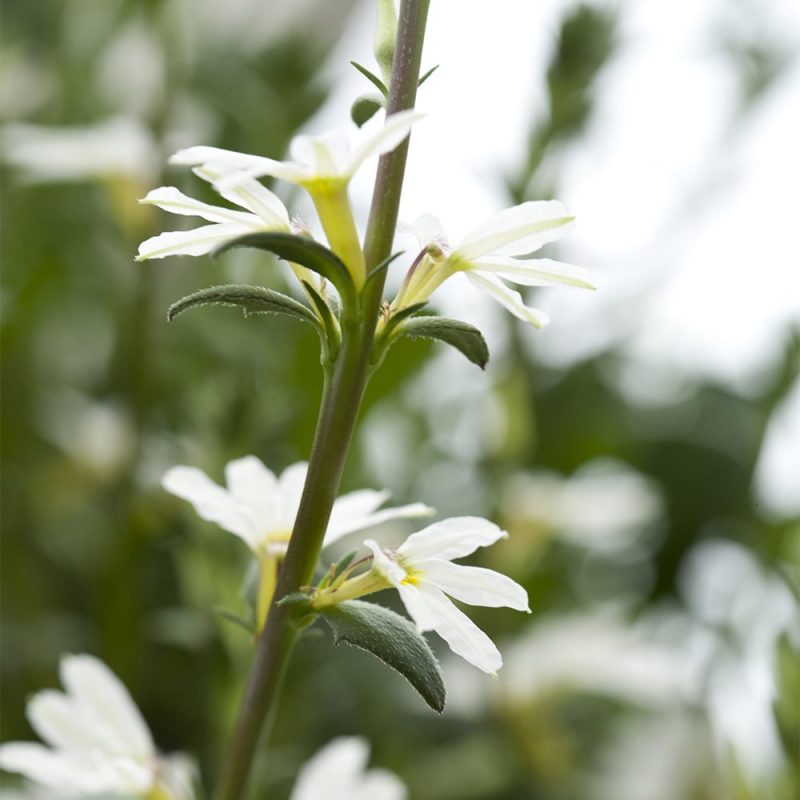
[253, 299]
[392, 639]
[333, 334]
[465, 338]
[300, 250]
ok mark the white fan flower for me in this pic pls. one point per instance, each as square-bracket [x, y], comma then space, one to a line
[338, 772]
[488, 256]
[316, 160]
[260, 508]
[264, 212]
[422, 571]
[98, 740]
[323, 165]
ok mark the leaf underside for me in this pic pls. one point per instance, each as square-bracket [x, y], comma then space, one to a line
[300, 250]
[392, 639]
[467, 339]
[252, 299]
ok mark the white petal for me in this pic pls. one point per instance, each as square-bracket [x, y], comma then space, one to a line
[173, 200]
[517, 230]
[333, 770]
[394, 130]
[290, 490]
[196, 242]
[246, 192]
[73, 771]
[418, 607]
[324, 155]
[509, 299]
[357, 504]
[101, 694]
[62, 723]
[387, 566]
[463, 636]
[254, 165]
[426, 229]
[451, 538]
[474, 585]
[212, 502]
[356, 511]
[255, 487]
[410, 511]
[535, 271]
[379, 784]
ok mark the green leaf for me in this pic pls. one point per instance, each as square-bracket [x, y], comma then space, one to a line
[400, 315]
[344, 562]
[372, 78]
[394, 640]
[380, 269]
[427, 75]
[300, 250]
[364, 108]
[253, 299]
[333, 334]
[465, 338]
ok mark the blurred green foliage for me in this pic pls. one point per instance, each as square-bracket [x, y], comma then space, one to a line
[101, 395]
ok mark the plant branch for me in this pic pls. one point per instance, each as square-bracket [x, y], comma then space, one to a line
[341, 400]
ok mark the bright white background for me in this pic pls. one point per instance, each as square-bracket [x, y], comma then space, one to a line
[687, 212]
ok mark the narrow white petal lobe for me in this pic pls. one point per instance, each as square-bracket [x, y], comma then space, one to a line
[451, 538]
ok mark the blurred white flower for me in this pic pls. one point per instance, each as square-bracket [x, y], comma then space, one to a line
[598, 653]
[667, 756]
[486, 257]
[749, 609]
[316, 160]
[117, 147]
[131, 72]
[604, 505]
[98, 741]
[422, 571]
[98, 435]
[265, 212]
[338, 772]
[260, 508]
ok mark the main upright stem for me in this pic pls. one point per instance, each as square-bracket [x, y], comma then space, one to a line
[341, 400]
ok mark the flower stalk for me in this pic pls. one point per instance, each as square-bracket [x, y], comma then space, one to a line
[342, 394]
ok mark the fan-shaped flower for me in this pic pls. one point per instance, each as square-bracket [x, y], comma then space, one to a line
[422, 571]
[98, 741]
[316, 160]
[323, 165]
[488, 256]
[264, 212]
[260, 508]
[338, 772]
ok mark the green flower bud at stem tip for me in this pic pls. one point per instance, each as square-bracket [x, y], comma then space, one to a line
[385, 37]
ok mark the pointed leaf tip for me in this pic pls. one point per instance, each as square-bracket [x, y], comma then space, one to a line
[467, 339]
[392, 639]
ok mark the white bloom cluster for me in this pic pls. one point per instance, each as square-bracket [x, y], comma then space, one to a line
[97, 740]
